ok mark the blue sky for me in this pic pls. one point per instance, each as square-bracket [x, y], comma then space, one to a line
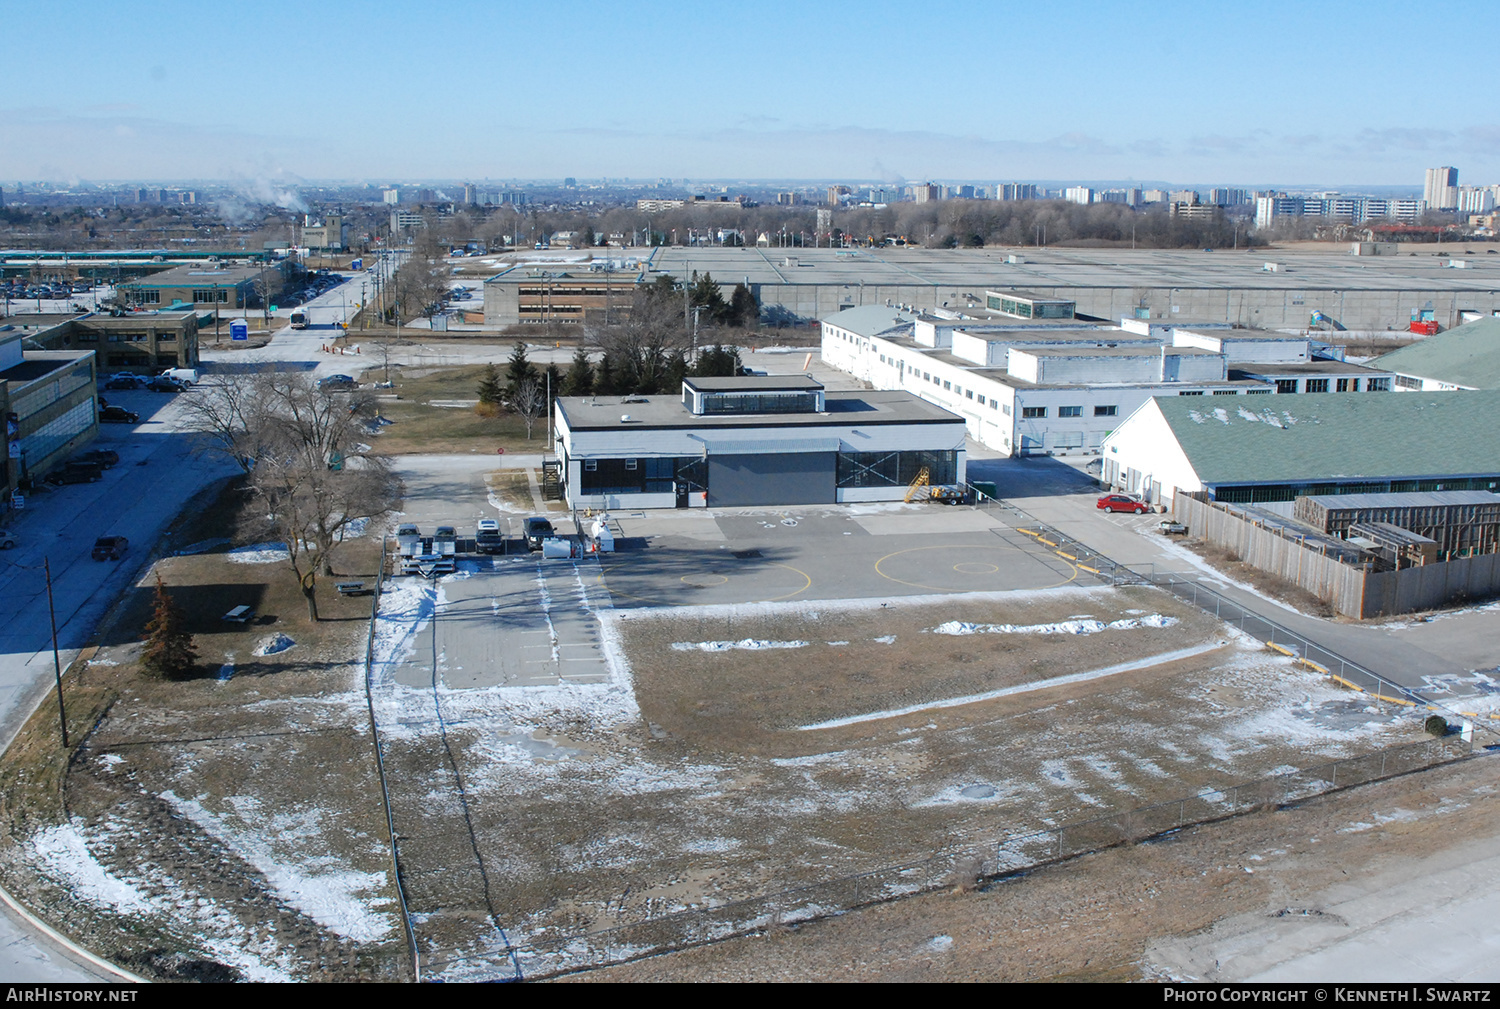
[1257, 94]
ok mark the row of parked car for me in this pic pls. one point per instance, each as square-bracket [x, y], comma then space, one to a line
[84, 467]
[19, 289]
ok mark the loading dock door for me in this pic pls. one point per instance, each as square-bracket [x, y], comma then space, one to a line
[771, 478]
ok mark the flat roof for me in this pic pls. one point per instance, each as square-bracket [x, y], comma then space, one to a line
[604, 413]
[977, 270]
[1305, 368]
[754, 383]
[1155, 350]
[199, 275]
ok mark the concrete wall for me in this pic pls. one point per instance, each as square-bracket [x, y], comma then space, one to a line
[1351, 591]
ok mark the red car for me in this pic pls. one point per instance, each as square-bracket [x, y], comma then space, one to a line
[1122, 503]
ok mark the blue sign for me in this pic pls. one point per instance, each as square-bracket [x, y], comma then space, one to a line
[239, 329]
[358, 264]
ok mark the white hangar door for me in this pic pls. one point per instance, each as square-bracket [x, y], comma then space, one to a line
[758, 474]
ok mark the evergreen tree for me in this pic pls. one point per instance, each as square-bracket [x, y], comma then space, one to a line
[490, 392]
[707, 296]
[744, 310]
[677, 369]
[580, 380]
[169, 652]
[605, 383]
[519, 371]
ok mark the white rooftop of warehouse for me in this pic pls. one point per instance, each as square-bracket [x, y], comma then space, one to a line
[975, 270]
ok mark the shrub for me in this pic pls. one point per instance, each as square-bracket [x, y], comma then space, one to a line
[1436, 725]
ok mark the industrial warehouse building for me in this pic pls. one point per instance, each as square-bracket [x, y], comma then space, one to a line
[1351, 292]
[1040, 382]
[1282, 448]
[763, 440]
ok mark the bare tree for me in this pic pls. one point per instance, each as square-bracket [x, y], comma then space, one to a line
[232, 414]
[304, 451]
[529, 402]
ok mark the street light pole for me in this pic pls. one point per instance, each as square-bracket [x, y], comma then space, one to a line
[62, 716]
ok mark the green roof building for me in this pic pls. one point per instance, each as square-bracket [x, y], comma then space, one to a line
[1467, 357]
[1279, 448]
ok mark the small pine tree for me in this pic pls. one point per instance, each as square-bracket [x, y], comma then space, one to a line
[580, 380]
[519, 370]
[169, 653]
[490, 390]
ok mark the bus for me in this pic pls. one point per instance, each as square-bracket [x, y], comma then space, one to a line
[299, 320]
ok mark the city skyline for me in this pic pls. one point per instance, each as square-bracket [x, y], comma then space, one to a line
[768, 91]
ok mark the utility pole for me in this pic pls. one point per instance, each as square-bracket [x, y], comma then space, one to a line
[62, 716]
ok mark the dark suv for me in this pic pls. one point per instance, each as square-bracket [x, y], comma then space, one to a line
[537, 530]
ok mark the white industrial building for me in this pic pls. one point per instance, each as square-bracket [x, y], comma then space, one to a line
[1028, 381]
[762, 440]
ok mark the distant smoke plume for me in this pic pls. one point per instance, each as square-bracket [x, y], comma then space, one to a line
[252, 196]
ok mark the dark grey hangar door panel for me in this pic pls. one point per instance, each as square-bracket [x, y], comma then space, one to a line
[788, 478]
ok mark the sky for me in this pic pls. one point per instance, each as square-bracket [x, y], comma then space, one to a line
[1255, 94]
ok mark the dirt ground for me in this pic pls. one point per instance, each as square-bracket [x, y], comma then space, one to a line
[721, 785]
[225, 827]
[1099, 917]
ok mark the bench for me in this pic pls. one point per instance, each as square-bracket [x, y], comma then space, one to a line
[240, 615]
[352, 589]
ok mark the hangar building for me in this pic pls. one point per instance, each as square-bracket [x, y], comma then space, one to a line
[1269, 449]
[759, 440]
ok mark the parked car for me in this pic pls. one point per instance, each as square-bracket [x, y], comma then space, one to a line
[110, 548]
[337, 383]
[187, 376]
[118, 415]
[1122, 503]
[74, 474]
[1171, 527]
[536, 530]
[487, 538]
[407, 529]
[445, 533]
[123, 382]
[163, 383]
[7, 539]
[102, 457]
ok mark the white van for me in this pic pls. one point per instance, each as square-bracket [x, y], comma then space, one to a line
[185, 375]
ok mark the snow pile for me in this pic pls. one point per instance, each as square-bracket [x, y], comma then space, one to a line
[270, 646]
[743, 645]
[1075, 626]
[259, 553]
[328, 897]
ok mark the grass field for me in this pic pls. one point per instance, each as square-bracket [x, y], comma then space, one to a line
[421, 427]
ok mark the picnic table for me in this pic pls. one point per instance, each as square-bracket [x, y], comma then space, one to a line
[240, 615]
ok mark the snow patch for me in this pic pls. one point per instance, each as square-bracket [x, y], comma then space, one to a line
[327, 897]
[259, 553]
[743, 645]
[1086, 626]
[66, 858]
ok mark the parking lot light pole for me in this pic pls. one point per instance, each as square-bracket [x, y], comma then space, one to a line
[62, 716]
